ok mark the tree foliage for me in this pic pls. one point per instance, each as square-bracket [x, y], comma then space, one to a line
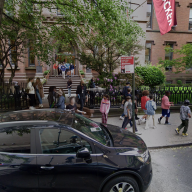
[100, 30]
[183, 60]
[151, 75]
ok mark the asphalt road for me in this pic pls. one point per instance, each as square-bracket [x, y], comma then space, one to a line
[172, 170]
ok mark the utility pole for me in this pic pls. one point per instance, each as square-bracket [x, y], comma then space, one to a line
[1, 9]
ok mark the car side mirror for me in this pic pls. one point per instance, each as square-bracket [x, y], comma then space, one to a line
[84, 154]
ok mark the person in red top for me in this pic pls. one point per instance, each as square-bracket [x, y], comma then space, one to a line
[55, 69]
[144, 100]
[165, 105]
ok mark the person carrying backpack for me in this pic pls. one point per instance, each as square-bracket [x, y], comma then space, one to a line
[151, 107]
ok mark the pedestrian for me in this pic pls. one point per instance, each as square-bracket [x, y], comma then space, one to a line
[31, 93]
[165, 105]
[151, 107]
[55, 69]
[144, 100]
[73, 107]
[136, 109]
[127, 93]
[81, 93]
[63, 69]
[69, 85]
[72, 69]
[67, 65]
[59, 69]
[52, 96]
[128, 114]
[61, 101]
[104, 108]
[39, 91]
[185, 114]
[92, 94]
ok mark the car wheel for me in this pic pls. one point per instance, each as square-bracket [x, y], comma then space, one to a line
[121, 184]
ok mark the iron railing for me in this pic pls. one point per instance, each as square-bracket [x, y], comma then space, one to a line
[13, 97]
[178, 95]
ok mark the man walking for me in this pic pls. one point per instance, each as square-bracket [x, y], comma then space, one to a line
[165, 105]
[81, 92]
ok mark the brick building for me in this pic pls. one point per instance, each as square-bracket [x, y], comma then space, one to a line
[178, 36]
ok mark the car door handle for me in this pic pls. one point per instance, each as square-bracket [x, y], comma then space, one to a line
[47, 168]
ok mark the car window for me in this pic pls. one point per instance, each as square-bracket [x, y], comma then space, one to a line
[91, 129]
[60, 141]
[15, 140]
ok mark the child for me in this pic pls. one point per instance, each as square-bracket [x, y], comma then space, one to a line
[144, 100]
[104, 108]
[151, 107]
[165, 105]
[185, 114]
[128, 114]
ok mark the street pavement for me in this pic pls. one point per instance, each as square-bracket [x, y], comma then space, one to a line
[163, 135]
[171, 170]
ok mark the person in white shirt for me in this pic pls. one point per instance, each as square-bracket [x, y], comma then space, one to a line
[31, 93]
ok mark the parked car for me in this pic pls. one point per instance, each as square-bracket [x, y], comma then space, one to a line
[55, 150]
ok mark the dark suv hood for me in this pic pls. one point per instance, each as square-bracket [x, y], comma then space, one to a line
[124, 138]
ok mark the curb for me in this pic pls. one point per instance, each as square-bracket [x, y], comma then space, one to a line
[170, 146]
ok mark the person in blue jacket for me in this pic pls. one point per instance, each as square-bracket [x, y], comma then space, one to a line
[63, 69]
[61, 102]
[67, 65]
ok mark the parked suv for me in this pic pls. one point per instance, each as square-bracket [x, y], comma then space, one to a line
[55, 150]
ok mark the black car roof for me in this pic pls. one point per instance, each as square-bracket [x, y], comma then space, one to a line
[39, 116]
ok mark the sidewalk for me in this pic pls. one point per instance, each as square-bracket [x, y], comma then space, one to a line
[163, 135]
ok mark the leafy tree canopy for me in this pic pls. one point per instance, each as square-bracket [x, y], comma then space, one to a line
[151, 75]
[183, 60]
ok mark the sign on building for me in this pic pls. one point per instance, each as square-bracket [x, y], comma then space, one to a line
[127, 64]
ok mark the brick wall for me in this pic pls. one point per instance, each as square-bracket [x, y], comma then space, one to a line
[181, 35]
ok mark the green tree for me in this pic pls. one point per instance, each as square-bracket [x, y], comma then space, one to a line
[183, 60]
[1, 9]
[21, 28]
[151, 75]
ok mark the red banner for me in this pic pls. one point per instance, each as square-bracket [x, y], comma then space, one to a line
[166, 14]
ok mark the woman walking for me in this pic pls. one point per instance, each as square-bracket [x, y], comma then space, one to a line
[31, 93]
[39, 91]
[69, 85]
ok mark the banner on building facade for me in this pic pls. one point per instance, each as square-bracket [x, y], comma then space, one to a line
[127, 64]
[166, 14]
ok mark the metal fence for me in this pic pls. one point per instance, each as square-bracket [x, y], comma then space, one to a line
[178, 95]
[13, 97]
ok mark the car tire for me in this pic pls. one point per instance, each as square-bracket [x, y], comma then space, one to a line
[124, 182]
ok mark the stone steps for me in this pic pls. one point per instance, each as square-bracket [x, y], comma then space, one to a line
[61, 83]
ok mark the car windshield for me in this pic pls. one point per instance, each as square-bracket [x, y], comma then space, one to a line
[68, 118]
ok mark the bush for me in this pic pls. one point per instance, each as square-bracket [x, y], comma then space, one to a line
[151, 75]
[46, 72]
[81, 72]
[179, 82]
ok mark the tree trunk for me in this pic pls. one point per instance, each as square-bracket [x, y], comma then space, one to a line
[1, 9]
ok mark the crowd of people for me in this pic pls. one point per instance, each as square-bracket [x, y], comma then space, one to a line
[63, 69]
[149, 107]
[35, 90]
